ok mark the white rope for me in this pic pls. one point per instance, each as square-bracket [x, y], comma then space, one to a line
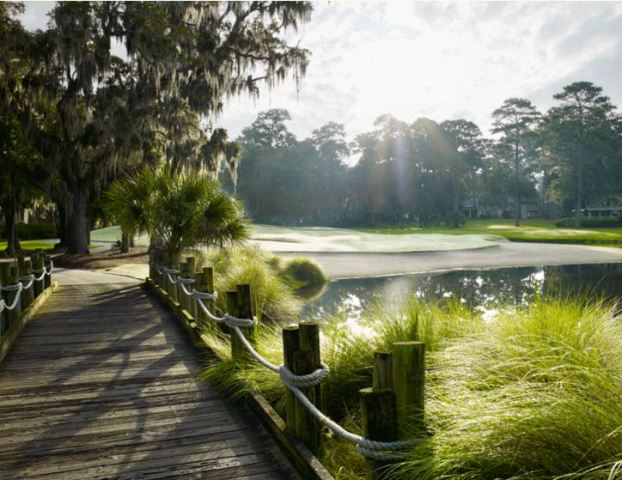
[42, 276]
[2, 304]
[254, 353]
[27, 278]
[13, 288]
[374, 449]
[186, 292]
[207, 312]
[18, 287]
[44, 271]
[170, 279]
[204, 295]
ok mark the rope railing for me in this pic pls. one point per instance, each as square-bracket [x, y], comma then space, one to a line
[372, 449]
[24, 283]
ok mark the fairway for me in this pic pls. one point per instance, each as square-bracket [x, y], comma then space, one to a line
[529, 231]
[326, 240]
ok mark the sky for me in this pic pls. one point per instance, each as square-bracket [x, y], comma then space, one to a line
[441, 60]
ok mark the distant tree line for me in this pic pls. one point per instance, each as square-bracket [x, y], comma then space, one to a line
[425, 172]
[74, 115]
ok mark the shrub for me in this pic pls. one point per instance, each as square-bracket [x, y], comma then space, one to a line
[535, 396]
[454, 219]
[568, 222]
[36, 231]
[250, 265]
[305, 276]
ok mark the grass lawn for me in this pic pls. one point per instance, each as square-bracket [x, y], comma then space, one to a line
[529, 231]
[113, 234]
[31, 244]
[474, 234]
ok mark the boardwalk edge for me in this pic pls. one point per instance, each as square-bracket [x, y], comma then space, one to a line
[303, 460]
[12, 334]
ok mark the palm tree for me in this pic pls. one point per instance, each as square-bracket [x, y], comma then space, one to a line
[177, 210]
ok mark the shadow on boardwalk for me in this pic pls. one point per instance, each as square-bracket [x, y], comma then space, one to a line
[103, 385]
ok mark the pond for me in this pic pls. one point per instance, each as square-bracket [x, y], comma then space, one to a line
[482, 289]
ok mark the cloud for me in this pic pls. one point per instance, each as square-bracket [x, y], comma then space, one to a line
[444, 60]
[436, 59]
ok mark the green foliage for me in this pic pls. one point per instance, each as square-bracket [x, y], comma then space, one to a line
[529, 231]
[533, 396]
[305, 276]
[582, 138]
[272, 296]
[349, 357]
[37, 231]
[590, 222]
[454, 219]
[28, 245]
[178, 210]
[93, 115]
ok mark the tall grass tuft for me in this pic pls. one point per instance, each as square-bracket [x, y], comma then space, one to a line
[533, 394]
[536, 395]
[250, 265]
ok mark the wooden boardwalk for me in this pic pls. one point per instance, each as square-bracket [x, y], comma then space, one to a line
[103, 384]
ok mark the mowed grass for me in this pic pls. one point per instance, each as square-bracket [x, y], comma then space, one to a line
[113, 234]
[30, 245]
[529, 231]
[475, 234]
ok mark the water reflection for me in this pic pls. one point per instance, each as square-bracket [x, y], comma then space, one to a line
[482, 289]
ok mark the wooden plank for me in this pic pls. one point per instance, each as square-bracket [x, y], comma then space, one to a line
[103, 384]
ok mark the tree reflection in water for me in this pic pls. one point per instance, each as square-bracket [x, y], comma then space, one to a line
[485, 290]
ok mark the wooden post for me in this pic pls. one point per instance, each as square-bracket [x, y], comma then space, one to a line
[308, 429]
[152, 264]
[3, 313]
[47, 281]
[204, 283]
[185, 272]
[378, 421]
[190, 268]
[245, 310]
[25, 268]
[409, 385]
[37, 264]
[291, 348]
[232, 308]
[383, 371]
[178, 292]
[10, 276]
[172, 287]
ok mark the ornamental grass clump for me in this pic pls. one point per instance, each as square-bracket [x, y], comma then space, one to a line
[272, 296]
[537, 395]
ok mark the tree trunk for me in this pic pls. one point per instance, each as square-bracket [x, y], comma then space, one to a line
[10, 223]
[518, 198]
[579, 194]
[62, 223]
[125, 242]
[77, 234]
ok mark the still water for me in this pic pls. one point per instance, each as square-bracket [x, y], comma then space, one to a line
[482, 289]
